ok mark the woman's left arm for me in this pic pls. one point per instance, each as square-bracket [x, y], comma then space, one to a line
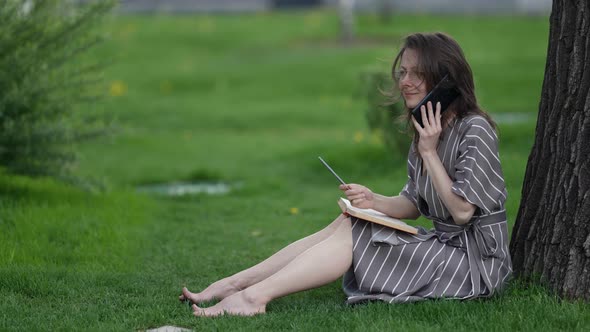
[458, 207]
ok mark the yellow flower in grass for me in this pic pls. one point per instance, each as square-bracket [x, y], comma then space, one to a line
[346, 103]
[165, 87]
[205, 25]
[118, 88]
[313, 20]
[187, 65]
[294, 211]
[324, 100]
[127, 31]
[377, 136]
[358, 137]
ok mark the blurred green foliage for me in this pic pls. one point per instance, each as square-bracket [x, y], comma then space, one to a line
[384, 115]
[43, 78]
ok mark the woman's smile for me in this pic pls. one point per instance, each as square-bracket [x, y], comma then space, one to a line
[412, 98]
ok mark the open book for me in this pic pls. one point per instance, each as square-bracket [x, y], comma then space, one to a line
[375, 217]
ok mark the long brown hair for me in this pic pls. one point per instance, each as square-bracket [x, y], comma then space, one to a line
[438, 55]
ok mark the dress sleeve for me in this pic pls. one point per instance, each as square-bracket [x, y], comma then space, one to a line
[409, 189]
[478, 173]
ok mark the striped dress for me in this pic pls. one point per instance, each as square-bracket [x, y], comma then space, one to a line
[449, 261]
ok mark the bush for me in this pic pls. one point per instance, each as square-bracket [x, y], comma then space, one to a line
[383, 118]
[44, 79]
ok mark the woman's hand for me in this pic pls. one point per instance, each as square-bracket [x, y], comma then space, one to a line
[359, 196]
[429, 135]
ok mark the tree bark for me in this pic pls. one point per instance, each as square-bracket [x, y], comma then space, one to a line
[551, 237]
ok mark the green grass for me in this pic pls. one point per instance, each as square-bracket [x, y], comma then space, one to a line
[249, 99]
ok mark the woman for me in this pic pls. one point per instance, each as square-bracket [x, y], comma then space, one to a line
[454, 179]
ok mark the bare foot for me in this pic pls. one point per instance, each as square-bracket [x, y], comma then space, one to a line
[239, 304]
[217, 290]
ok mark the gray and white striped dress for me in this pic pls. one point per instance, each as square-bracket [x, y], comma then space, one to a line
[449, 261]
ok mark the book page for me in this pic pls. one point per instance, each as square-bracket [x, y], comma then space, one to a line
[377, 217]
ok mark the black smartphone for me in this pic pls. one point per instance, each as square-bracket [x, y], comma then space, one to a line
[444, 92]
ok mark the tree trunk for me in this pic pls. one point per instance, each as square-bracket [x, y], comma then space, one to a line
[346, 10]
[384, 11]
[551, 237]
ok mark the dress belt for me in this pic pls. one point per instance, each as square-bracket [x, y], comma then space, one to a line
[479, 244]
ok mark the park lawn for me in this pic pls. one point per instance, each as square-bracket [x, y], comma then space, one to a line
[251, 100]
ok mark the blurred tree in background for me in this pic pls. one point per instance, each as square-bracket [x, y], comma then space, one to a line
[385, 112]
[44, 78]
[346, 10]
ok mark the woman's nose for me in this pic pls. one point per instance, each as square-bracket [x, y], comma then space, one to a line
[404, 81]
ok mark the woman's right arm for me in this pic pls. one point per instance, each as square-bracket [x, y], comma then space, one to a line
[397, 206]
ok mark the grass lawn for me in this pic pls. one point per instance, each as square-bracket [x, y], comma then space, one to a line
[251, 100]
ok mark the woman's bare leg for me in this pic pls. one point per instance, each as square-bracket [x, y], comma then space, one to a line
[317, 266]
[241, 280]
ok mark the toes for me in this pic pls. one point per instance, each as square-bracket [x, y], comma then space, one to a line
[186, 294]
[209, 312]
[199, 312]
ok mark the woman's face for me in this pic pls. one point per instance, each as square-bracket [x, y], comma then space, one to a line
[411, 82]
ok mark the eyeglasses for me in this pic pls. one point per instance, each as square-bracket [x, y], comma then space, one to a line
[413, 76]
